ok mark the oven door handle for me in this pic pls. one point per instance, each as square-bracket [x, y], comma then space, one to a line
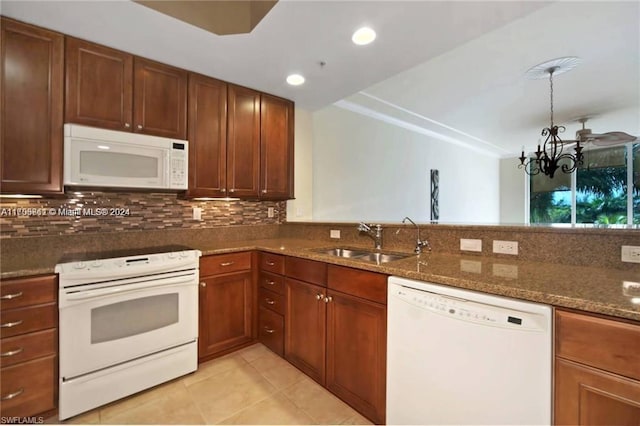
[110, 291]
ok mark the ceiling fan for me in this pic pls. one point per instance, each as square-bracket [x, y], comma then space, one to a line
[585, 135]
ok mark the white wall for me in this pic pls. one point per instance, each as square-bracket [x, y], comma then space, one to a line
[368, 170]
[300, 209]
[513, 192]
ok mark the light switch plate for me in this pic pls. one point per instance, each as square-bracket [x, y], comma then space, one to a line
[505, 247]
[470, 245]
[197, 213]
[270, 212]
[334, 233]
[631, 254]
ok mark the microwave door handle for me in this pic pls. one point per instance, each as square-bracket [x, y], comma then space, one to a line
[90, 294]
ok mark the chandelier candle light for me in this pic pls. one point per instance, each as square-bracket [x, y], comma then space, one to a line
[549, 156]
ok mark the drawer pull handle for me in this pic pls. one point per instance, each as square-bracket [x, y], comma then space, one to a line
[13, 395]
[226, 263]
[269, 301]
[11, 353]
[11, 324]
[269, 330]
[271, 282]
[269, 263]
[11, 296]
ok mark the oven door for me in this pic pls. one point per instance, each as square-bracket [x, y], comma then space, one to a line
[104, 326]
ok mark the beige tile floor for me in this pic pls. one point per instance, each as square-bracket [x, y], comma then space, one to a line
[250, 386]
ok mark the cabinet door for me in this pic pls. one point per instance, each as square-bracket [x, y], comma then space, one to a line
[207, 137]
[305, 328]
[226, 315]
[99, 84]
[243, 142]
[356, 353]
[32, 109]
[588, 396]
[276, 148]
[159, 99]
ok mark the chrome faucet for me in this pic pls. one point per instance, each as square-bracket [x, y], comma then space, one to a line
[373, 231]
[420, 243]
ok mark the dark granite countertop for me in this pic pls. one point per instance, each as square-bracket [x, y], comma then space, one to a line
[591, 289]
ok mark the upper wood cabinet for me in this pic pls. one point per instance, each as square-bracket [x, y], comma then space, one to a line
[243, 142]
[99, 84]
[31, 119]
[207, 137]
[276, 148]
[115, 90]
[159, 99]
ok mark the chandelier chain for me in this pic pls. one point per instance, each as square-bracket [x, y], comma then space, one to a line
[551, 70]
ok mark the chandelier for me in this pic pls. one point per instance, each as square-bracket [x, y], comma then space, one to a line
[552, 155]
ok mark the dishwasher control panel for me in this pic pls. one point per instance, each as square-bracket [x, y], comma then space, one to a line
[468, 311]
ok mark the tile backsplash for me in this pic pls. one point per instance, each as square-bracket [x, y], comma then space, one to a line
[91, 211]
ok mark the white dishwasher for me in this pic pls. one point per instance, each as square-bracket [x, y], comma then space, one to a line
[462, 357]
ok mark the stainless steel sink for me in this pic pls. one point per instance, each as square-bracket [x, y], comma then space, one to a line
[343, 252]
[365, 255]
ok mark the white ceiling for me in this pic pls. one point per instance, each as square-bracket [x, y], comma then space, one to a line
[452, 69]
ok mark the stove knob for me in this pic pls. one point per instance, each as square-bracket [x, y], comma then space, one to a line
[171, 255]
[183, 254]
[79, 265]
[96, 264]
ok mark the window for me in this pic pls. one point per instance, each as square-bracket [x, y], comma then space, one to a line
[604, 191]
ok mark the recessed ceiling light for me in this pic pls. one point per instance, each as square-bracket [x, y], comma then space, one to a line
[295, 79]
[364, 35]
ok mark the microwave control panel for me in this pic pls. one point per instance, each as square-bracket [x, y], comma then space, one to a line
[179, 164]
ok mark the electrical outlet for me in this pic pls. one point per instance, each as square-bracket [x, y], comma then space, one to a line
[197, 213]
[334, 233]
[470, 245]
[270, 212]
[631, 254]
[505, 247]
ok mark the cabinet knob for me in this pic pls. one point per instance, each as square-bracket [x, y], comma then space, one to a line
[264, 191]
[12, 395]
[223, 190]
[127, 125]
[319, 296]
[328, 299]
[203, 284]
[11, 296]
[139, 126]
[232, 190]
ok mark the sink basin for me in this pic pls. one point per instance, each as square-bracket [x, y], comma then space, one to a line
[342, 252]
[382, 257]
[364, 255]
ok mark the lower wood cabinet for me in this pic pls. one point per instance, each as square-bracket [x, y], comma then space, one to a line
[597, 370]
[226, 304]
[29, 346]
[340, 339]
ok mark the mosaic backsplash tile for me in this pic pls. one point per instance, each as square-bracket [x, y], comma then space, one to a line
[80, 212]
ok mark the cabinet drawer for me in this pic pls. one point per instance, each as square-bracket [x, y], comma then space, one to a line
[28, 291]
[270, 300]
[25, 320]
[272, 263]
[272, 282]
[223, 263]
[599, 342]
[27, 388]
[306, 270]
[27, 346]
[271, 330]
[368, 285]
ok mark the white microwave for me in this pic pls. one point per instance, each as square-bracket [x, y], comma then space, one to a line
[108, 158]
